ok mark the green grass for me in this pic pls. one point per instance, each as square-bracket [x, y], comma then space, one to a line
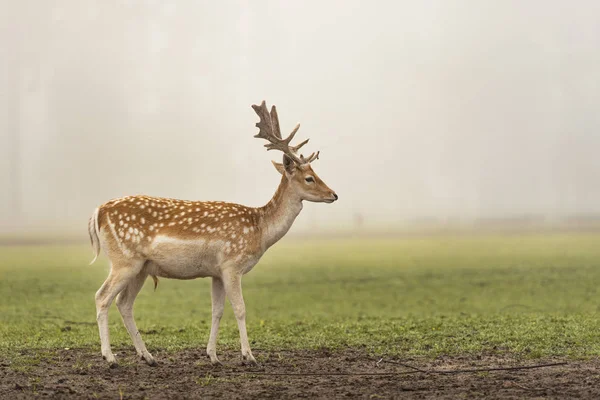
[530, 295]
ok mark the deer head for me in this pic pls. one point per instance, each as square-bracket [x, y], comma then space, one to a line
[296, 169]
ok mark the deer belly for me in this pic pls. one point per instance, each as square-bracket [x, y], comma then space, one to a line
[184, 259]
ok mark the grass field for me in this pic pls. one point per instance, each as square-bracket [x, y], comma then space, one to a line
[532, 295]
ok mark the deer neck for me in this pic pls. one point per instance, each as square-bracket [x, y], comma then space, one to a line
[278, 215]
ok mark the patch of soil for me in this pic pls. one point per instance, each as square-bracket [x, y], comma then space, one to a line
[81, 373]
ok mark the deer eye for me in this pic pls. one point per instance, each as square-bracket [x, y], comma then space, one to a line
[309, 179]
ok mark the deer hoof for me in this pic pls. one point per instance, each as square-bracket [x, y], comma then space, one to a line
[149, 359]
[214, 360]
[249, 359]
[112, 361]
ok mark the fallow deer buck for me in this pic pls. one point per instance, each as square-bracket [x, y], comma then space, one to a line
[179, 239]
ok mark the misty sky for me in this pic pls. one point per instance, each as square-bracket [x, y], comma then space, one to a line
[447, 109]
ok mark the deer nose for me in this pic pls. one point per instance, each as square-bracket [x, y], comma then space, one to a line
[335, 196]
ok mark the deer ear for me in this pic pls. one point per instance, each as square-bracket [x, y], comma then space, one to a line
[288, 164]
[279, 167]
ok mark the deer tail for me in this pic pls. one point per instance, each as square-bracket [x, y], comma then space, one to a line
[94, 230]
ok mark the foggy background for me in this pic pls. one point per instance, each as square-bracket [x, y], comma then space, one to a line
[422, 110]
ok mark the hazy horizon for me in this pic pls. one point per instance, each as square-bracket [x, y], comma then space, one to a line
[432, 109]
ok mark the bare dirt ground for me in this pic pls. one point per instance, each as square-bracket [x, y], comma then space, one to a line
[293, 374]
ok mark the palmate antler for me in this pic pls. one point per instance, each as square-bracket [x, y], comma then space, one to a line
[269, 129]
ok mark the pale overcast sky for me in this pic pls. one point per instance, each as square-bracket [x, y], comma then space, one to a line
[447, 109]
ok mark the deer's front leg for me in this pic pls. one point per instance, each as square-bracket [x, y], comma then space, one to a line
[233, 287]
[218, 303]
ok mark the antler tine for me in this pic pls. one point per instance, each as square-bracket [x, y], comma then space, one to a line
[292, 134]
[275, 121]
[311, 158]
[296, 148]
[269, 129]
[264, 125]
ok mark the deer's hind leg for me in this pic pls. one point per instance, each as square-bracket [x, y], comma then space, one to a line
[121, 274]
[218, 304]
[125, 301]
